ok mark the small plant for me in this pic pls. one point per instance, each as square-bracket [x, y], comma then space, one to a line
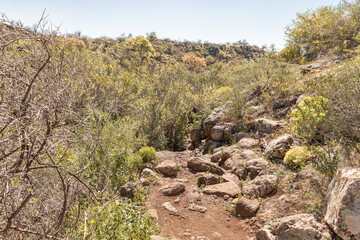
[308, 120]
[297, 156]
[148, 154]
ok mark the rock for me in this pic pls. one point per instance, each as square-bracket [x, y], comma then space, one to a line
[263, 125]
[216, 236]
[256, 167]
[153, 214]
[195, 196]
[248, 143]
[213, 145]
[147, 172]
[199, 238]
[222, 132]
[195, 136]
[147, 165]
[251, 112]
[197, 208]
[248, 154]
[296, 227]
[342, 210]
[170, 208]
[246, 207]
[311, 177]
[172, 189]
[222, 189]
[208, 179]
[156, 237]
[213, 119]
[284, 102]
[260, 186]
[128, 189]
[224, 154]
[177, 201]
[231, 177]
[235, 161]
[144, 182]
[277, 148]
[167, 168]
[201, 165]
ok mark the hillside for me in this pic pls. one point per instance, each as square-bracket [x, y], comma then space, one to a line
[147, 138]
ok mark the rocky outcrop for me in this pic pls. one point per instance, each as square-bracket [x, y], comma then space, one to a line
[278, 147]
[172, 188]
[168, 168]
[201, 165]
[342, 211]
[296, 227]
[246, 207]
[263, 125]
[222, 132]
[213, 119]
[260, 186]
[222, 189]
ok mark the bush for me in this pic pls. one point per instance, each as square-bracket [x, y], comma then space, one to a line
[326, 160]
[308, 120]
[117, 220]
[148, 154]
[297, 156]
[193, 61]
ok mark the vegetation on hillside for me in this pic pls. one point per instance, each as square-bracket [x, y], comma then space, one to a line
[79, 116]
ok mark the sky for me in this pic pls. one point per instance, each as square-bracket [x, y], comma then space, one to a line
[259, 22]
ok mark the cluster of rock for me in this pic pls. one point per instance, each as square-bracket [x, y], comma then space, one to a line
[242, 174]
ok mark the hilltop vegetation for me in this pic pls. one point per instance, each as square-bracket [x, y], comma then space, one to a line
[79, 116]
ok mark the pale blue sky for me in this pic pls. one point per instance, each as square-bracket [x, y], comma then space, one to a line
[258, 21]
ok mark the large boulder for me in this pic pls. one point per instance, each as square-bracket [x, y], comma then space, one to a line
[222, 189]
[260, 186]
[201, 165]
[222, 132]
[296, 227]
[172, 189]
[246, 207]
[167, 168]
[264, 125]
[278, 147]
[342, 211]
[213, 119]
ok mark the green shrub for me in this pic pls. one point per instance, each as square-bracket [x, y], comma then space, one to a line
[308, 120]
[148, 154]
[291, 53]
[297, 156]
[326, 160]
[118, 220]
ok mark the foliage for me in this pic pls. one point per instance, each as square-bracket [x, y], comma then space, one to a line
[117, 220]
[194, 62]
[148, 154]
[297, 156]
[326, 29]
[291, 53]
[142, 45]
[308, 120]
[341, 88]
[326, 159]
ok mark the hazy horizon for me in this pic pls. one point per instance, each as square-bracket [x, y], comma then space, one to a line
[258, 22]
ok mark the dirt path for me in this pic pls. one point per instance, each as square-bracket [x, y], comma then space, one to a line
[215, 223]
